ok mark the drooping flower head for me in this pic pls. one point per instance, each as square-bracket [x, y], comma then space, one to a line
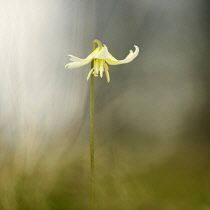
[101, 57]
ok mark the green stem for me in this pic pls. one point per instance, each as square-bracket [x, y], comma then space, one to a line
[92, 165]
[92, 162]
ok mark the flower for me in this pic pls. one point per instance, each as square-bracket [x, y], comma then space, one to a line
[101, 57]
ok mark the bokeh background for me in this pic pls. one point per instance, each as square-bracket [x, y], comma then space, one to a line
[152, 120]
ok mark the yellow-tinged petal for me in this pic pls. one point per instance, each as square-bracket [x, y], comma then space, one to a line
[74, 58]
[128, 59]
[77, 64]
[92, 55]
[101, 57]
[130, 54]
[103, 53]
[113, 58]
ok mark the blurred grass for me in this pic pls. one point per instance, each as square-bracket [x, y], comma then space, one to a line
[179, 182]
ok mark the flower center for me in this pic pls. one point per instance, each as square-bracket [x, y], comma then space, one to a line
[99, 66]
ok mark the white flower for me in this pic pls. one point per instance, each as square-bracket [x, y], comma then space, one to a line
[101, 58]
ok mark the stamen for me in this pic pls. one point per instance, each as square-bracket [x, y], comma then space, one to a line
[96, 65]
[107, 76]
[101, 74]
[106, 67]
[89, 74]
[101, 67]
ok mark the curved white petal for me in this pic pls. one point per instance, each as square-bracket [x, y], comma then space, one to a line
[92, 55]
[114, 59]
[103, 53]
[130, 54]
[77, 64]
[129, 58]
[74, 58]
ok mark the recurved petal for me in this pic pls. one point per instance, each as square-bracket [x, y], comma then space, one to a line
[74, 58]
[103, 53]
[91, 56]
[114, 59]
[77, 64]
[129, 58]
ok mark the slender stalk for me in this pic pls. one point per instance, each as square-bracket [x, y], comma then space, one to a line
[92, 164]
[92, 160]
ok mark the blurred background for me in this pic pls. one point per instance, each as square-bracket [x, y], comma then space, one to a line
[152, 145]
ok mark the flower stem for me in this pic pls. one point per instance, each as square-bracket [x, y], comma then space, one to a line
[92, 163]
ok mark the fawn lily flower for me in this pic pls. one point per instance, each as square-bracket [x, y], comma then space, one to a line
[101, 57]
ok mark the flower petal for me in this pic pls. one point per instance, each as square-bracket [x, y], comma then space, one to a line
[129, 58]
[103, 53]
[92, 55]
[74, 58]
[77, 64]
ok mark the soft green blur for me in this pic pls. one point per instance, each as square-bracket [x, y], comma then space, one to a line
[123, 180]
